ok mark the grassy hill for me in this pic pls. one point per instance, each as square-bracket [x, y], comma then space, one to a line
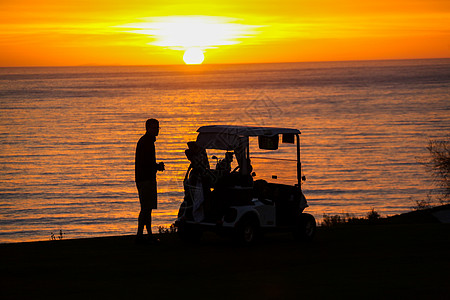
[358, 261]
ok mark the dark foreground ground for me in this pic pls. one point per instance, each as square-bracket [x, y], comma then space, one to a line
[409, 261]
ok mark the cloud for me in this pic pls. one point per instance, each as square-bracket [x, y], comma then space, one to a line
[182, 32]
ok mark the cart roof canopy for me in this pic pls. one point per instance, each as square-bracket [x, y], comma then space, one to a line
[246, 130]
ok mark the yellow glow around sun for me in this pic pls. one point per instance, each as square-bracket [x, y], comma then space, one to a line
[193, 34]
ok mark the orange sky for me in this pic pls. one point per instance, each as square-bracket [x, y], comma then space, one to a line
[86, 32]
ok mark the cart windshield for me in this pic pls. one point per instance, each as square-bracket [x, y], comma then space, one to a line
[276, 166]
[267, 152]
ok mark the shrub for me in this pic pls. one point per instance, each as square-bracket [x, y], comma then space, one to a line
[167, 230]
[60, 237]
[373, 216]
[336, 220]
[331, 221]
[423, 204]
[439, 166]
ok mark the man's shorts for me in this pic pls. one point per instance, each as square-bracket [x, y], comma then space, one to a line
[148, 194]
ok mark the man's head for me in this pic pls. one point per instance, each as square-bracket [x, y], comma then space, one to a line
[152, 126]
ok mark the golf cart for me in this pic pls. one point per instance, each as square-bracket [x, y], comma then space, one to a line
[230, 198]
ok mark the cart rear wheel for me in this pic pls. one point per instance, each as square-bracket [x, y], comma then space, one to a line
[248, 232]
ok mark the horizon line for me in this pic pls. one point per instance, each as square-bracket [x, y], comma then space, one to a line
[223, 64]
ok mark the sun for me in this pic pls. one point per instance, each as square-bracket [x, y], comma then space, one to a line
[193, 56]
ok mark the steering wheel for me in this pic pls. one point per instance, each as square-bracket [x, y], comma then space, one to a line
[235, 169]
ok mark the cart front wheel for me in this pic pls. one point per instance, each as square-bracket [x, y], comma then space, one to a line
[189, 234]
[306, 228]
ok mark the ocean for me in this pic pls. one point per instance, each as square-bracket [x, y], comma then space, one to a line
[68, 136]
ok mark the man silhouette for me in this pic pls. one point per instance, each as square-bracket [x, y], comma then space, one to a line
[145, 172]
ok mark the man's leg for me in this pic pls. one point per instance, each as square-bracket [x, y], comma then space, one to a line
[152, 204]
[147, 199]
[141, 224]
[148, 221]
[145, 207]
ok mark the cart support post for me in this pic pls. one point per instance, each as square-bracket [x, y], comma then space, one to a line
[299, 164]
